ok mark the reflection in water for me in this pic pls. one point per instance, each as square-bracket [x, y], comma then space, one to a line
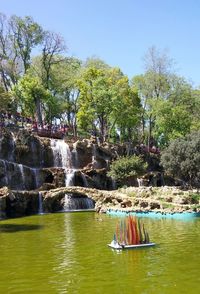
[67, 258]
[13, 228]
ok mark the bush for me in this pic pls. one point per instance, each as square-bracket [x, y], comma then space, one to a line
[126, 167]
[182, 159]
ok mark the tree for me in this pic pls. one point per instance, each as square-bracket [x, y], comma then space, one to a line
[63, 76]
[153, 85]
[26, 35]
[181, 158]
[5, 101]
[126, 107]
[31, 94]
[174, 115]
[107, 103]
[95, 98]
[53, 47]
[18, 37]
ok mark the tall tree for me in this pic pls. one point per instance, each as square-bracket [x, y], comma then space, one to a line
[125, 113]
[63, 77]
[26, 35]
[153, 85]
[18, 37]
[107, 102]
[53, 48]
[31, 94]
[95, 98]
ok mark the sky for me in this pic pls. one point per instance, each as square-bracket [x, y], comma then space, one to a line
[121, 31]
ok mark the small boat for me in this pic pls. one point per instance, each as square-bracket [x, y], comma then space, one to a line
[116, 245]
[130, 234]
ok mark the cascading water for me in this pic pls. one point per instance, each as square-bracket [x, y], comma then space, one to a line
[78, 203]
[75, 157]
[5, 180]
[140, 182]
[85, 182]
[8, 152]
[69, 177]
[21, 168]
[12, 148]
[40, 203]
[94, 154]
[114, 184]
[1, 208]
[36, 173]
[61, 153]
[62, 158]
[18, 176]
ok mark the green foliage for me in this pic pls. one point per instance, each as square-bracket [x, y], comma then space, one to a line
[172, 121]
[156, 107]
[194, 198]
[126, 167]
[182, 158]
[31, 94]
[27, 34]
[5, 100]
[106, 100]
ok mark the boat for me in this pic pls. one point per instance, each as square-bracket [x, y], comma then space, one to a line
[116, 245]
[130, 234]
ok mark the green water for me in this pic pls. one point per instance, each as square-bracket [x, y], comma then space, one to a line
[67, 253]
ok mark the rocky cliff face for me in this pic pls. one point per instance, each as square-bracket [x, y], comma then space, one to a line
[28, 162]
[31, 164]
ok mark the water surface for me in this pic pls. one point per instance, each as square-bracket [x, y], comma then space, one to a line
[67, 253]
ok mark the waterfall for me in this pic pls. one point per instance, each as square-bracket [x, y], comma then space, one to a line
[85, 182]
[62, 158]
[61, 153]
[75, 157]
[12, 147]
[162, 179]
[107, 163]
[140, 182]
[18, 176]
[114, 184]
[8, 152]
[94, 155]
[1, 212]
[5, 178]
[38, 155]
[69, 177]
[40, 203]
[21, 168]
[77, 203]
[36, 177]
[98, 141]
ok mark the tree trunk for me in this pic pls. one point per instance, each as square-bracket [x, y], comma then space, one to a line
[38, 112]
[150, 131]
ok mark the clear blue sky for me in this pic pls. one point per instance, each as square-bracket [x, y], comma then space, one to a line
[121, 31]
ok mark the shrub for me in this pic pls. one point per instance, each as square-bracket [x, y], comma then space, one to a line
[126, 167]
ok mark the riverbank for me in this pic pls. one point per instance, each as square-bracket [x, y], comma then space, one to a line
[154, 199]
[132, 199]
